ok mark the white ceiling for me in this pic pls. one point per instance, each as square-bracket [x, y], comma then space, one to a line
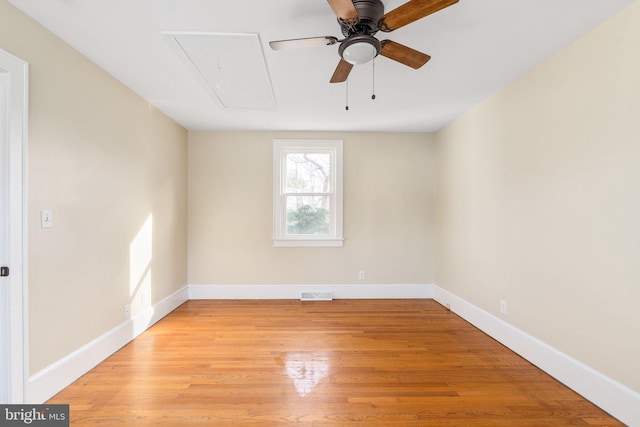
[477, 47]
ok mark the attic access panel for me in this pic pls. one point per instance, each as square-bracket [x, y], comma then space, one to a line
[231, 66]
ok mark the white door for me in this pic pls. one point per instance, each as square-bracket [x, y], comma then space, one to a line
[13, 115]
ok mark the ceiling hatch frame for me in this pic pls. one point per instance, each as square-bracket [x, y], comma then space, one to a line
[231, 67]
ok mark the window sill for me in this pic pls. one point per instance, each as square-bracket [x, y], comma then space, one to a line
[301, 243]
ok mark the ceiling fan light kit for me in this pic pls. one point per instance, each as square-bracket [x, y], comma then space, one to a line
[360, 49]
[359, 21]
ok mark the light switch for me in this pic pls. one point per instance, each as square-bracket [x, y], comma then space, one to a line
[46, 218]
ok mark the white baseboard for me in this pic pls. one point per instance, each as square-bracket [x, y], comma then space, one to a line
[293, 291]
[49, 381]
[618, 400]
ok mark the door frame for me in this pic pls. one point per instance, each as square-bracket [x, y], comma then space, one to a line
[16, 350]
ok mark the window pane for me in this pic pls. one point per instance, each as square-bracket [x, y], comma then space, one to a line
[308, 215]
[308, 173]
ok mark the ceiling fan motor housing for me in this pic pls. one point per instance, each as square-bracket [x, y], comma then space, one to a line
[369, 13]
[360, 46]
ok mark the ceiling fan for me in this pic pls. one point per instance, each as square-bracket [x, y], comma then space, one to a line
[359, 21]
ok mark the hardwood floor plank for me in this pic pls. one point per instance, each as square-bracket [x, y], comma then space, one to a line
[340, 363]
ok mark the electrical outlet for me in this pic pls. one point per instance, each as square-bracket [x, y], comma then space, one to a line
[503, 306]
[361, 275]
[127, 311]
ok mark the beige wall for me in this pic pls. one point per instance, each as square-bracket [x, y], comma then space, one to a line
[388, 185]
[104, 161]
[538, 201]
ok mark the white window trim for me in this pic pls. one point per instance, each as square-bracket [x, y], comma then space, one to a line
[280, 238]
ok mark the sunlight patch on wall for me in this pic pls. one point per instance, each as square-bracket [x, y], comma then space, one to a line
[140, 256]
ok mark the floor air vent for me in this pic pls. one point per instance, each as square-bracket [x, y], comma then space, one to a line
[316, 296]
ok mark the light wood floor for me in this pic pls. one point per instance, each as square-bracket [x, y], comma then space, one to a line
[340, 363]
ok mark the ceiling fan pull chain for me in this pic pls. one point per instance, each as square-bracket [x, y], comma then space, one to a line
[347, 95]
[373, 79]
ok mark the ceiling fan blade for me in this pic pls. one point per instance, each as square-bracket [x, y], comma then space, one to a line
[344, 9]
[403, 54]
[411, 11]
[306, 42]
[342, 72]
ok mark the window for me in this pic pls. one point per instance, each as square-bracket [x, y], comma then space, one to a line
[307, 193]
